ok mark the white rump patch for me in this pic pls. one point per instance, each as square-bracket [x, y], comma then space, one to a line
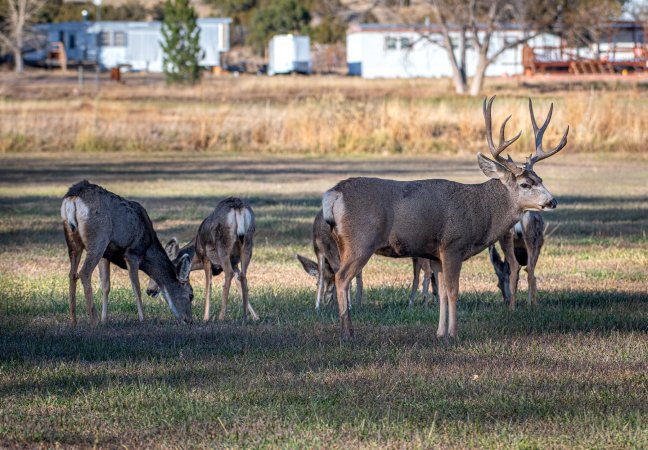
[329, 200]
[518, 229]
[243, 220]
[73, 211]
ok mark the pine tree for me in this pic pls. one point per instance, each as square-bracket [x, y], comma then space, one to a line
[181, 43]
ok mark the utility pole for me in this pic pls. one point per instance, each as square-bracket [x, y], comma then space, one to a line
[97, 4]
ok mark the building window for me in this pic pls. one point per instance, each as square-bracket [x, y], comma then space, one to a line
[390, 43]
[104, 39]
[72, 42]
[405, 43]
[61, 37]
[119, 39]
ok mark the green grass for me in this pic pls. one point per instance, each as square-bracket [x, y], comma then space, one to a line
[572, 372]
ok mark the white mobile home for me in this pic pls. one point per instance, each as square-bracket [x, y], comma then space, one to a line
[135, 45]
[406, 51]
[289, 53]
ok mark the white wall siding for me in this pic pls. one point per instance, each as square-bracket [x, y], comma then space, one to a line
[137, 47]
[408, 54]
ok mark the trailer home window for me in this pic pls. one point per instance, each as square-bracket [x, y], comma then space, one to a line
[120, 39]
[405, 43]
[104, 39]
[390, 43]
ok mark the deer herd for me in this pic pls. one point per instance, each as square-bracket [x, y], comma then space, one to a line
[435, 222]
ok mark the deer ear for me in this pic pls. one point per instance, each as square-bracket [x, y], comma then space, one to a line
[183, 267]
[492, 169]
[309, 266]
[172, 248]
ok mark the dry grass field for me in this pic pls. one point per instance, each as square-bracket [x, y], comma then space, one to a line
[571, 373]
[301, 115]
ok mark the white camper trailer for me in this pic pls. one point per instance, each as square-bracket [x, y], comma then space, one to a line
[288, 53]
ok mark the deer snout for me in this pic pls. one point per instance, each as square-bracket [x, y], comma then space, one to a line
[187, 320]
[551, 204]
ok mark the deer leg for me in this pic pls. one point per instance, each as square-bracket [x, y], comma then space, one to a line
[451, 271]
[506, 242]
[443, 304]
[359, 290]
[416, 266]
[223, 259]
[533, 254]
[227, 282]
[241, 283]
[132, 263]
[241, 278]
[428, 275]
[350, 266]
[207, 267]
[426, 289]
[434, 268]
[75, 259]
[93, 256]
[104, 277]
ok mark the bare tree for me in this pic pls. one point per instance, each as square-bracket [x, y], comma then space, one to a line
[473, 24]
[15, 29]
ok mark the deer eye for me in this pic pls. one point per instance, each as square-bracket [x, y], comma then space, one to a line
[525, 185]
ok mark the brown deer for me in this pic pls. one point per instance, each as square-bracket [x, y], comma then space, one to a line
[435, 219]
[521, 246]
[114, 230]
[174, 251]
[225, 239]
[328, 261]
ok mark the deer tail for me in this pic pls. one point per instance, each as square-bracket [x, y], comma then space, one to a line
[68, 212]
[243, 219]
[328, 203]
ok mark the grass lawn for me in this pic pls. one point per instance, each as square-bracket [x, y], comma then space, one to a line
[572, 372]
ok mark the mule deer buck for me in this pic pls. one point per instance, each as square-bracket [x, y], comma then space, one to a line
[174, 251]
[435, 219]
[328, 261]
[114, 230]
[521, 246]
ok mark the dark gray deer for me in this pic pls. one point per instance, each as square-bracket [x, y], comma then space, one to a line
[521, 246]
[328, 262]
[114, 230]
[174, 251]
[435, 219]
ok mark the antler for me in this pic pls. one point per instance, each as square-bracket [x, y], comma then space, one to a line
[503, 143]
[540, 154]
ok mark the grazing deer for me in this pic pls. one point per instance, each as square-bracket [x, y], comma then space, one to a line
[174, 251]
[114, 230]
[328, 261]
[435, 219]
[521, 246]
[224, 239]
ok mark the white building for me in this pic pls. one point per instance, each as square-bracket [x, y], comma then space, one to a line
[407, 51]
[288, 53]
[135, 45]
